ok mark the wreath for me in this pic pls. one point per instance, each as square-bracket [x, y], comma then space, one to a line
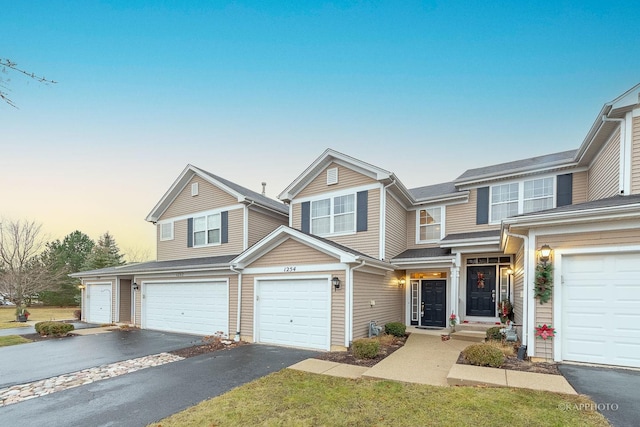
[505, 310]
[480, 280]
[543, 282]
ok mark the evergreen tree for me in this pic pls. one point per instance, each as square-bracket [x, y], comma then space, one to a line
[104, 254]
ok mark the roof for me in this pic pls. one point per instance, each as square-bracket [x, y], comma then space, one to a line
[154, 266]
[564, 158]
[423, 253]
[472, 235]
[244, 195]
[610, 202]
[433, 191]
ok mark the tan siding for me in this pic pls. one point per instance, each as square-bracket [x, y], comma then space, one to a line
[518, 288]
[411, 229]
[461, 218]
[177, 248]
[260, 225]
[543, 315]
[125, 301]
[635, 156]
[296, 216]
[292, 253]
[138, 310]
[347, 178]
[580, 187]
[233, 293]
[367, 242]
[388, 299]
[396, 226]
[605, 169]
[209, 197]
[594, 239]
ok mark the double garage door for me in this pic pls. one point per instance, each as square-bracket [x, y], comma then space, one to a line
[200, 308]
[293, 313]
[601, 309]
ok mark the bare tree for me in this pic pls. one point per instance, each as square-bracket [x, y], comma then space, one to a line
[22, 270]
[7, 65]
[135, 254]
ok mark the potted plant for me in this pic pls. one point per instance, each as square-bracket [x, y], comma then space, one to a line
[22, 315]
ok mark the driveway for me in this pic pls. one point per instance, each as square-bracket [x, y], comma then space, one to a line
[151, 394]
[615, 391]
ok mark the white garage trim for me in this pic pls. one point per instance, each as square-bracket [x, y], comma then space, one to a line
[95, 291]
[559, 309]
[201, 307]
[322, 297]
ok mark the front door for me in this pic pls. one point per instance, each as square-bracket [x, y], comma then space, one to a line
[434, 303]
[481, 291]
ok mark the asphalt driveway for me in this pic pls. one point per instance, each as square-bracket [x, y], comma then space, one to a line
[151, 394]
[615, 391]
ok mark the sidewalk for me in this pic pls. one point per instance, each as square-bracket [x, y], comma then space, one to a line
[426, 359]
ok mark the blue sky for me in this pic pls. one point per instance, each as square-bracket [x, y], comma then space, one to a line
[255, 91]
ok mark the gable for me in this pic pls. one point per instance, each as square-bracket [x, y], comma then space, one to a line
[346, 178]
[209, 197]
[290, 253]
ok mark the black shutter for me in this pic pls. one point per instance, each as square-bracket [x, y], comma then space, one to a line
[190, 232]
[363, 205]
[565, 190]
[482, 206]
[306, 217]
[224, 225]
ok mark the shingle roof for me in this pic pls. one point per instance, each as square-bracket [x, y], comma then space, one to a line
[519, 165]
[250, 193]
[186, 264]
[339, 246]
[423, 253]
[472, 235]
[595, 204]
[435, 190]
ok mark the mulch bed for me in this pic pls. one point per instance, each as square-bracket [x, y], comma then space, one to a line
[515, 364]
[350, 359]
[208, 346]
[38, 337]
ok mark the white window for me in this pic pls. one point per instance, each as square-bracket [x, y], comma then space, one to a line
[430, 224]
[166, 231]
[206, 230]
[522, 197]
[334, 215]
[194, 189]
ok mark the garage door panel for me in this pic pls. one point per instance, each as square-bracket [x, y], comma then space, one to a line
[99, 303]
[601, 309]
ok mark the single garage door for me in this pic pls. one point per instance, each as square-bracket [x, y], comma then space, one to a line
[200, 308]
[601, 309]
[294, 312]
[98, 300]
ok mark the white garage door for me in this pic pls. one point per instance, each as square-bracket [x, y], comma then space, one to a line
[294, 313]
[200, 308]
[98, 300]
[601, 309]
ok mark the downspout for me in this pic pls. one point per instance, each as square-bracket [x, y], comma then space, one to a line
[623, 144]
[349, 305]
[525, 284]
[383, 219]
[239, 273]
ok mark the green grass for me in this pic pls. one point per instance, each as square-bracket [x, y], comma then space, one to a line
[38, 314]
[12, 340]
[293, 398]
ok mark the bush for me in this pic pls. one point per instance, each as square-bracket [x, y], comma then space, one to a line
[365, 348]
[395, 328]
[494, 334]
[56, 329]
[506, 349]
[77, 314]
[484, 355]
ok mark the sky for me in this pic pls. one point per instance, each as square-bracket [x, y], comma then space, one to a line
[255, 91]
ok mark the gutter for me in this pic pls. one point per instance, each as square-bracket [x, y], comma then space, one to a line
[349, 304]
[525, 280]
[383, 219]
[233, 268]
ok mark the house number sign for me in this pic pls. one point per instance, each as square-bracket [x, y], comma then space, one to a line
[289, 269]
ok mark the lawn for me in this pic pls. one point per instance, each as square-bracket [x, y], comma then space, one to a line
[12, 340]
[38, 314]
[294, 398]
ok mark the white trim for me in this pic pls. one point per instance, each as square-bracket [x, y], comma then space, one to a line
[341, 192]
[529, 295]
[256, 314]
[194, 189]
[161, 225]
[627, 155]
[521, 199]
[308, 268]
[245, 228]
[207, 212]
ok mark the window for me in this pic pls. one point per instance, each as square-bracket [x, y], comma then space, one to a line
[206, 230]
[194, 189]
[334, 215]
[332, 176]
[429, 224]
[522, 197]
[166, 231]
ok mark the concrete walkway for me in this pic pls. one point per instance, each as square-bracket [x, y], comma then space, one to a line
[426, 359]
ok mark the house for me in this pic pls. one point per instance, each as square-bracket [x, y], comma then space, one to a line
[348, 243]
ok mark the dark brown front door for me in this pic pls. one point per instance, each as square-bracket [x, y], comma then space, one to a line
[481, 291]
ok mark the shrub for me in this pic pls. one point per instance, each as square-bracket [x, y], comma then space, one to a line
[387, 339]
[56, 329]
[77, 314]
[395, 328]
[506, 349]
[483, 355]
[365, 348]
[494, 334]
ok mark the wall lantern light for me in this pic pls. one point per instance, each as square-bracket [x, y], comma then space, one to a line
[401, 282]
[545, 253]
[81, 287]
[135, 286]
[336, 283]
[510, 271]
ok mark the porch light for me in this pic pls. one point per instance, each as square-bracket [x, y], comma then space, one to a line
[135, 286]
[510, 271]
[401, 282]
[545, 253]
[336, 283]
[81, 287]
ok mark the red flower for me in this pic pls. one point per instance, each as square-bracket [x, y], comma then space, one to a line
[545, 332]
